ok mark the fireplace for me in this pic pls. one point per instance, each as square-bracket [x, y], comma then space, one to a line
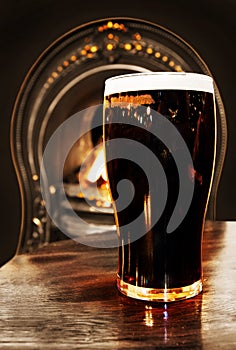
[68, 79]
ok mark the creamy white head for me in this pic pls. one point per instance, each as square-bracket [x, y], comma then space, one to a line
[158, 81]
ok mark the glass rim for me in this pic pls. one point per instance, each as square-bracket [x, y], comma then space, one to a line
[158, 81]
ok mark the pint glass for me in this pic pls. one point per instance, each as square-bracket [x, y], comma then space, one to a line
[159, 143]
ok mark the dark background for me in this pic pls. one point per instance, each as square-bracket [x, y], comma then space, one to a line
[28, 27]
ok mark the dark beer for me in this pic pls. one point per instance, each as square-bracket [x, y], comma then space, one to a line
[160, 265]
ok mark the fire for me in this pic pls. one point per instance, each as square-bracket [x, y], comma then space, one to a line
[97, 169]
[92, 178]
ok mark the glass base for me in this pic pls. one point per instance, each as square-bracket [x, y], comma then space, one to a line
[159, 295]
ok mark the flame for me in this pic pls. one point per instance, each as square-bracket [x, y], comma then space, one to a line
[93, 175]
[97, 169]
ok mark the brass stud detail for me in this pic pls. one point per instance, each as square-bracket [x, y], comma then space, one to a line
[73, 58]
[164, 58]
[109, 47]
[178, 68]
[138, 47]
[149, 50]
[127, 46]
[137, 36]
[35, 177]
[94, 49]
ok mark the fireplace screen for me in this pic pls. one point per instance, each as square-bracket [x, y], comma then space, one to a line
[68, 78]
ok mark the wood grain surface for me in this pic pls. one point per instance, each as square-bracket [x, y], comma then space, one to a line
[64, 297]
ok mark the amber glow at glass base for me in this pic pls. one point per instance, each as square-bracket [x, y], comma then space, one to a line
[159, 295]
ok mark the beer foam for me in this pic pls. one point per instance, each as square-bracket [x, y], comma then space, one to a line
[158, 81]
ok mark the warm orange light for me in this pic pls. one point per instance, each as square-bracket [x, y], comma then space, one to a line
[59, 68]
[36, 221]
[73, 58]
[124, 101]
[157, 54]
[116, 25]
[164, 58]
[122, 27]
[178, 69]
[66, 63]
[128, 46]
[149, 320]
[171, 63]
[35, 177]
[94, 49]
[103, 186]
[111, 25]
[109, 47]
[149, 50]
[137, 36]
[97, 169]
[138, 47]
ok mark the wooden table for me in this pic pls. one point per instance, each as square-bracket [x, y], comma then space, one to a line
[64, 297]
